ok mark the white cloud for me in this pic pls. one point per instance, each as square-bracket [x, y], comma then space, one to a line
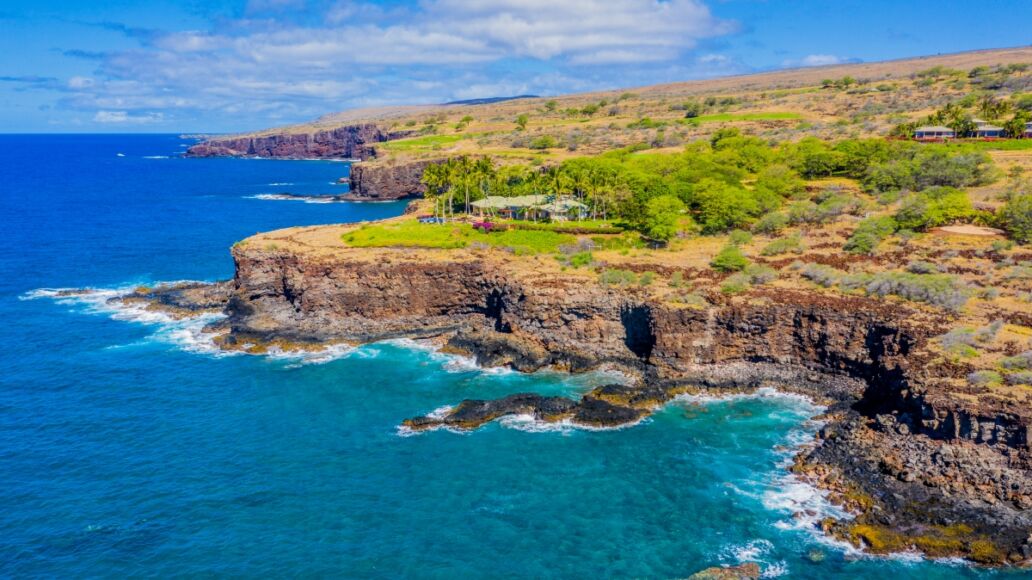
[123, 117]
[816, 60]
[301, 65]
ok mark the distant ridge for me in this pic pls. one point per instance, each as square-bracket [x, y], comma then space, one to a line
[491, 100]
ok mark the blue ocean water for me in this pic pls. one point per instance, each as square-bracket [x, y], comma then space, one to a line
[128, 448]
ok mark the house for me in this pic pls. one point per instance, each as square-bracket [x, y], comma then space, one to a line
[1028, 130]
[520, 206]
[563, 208]
[934, 133]
[531, 207]
[984, 130]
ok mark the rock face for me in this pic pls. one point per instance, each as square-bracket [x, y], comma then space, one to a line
[924, 462]
[373, 182]
[350, 142]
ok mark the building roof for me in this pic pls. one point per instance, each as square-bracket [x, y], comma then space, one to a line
[562, 206]
[933, 129]
[988, 127]
[519, 201]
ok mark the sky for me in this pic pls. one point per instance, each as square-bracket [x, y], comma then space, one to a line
[236, 65]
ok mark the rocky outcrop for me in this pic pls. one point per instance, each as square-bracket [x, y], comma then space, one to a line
[924, 469]
[386, 181]
[350, 142]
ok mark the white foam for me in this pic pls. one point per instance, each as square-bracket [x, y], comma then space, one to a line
[286, 197]
[155, 156]
[280, 183]
[187, 333]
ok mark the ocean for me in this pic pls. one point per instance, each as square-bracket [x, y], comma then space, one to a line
[130, 447]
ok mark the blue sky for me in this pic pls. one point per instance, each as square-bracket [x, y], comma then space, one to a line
[234, 65]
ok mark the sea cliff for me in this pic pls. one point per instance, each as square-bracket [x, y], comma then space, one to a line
[347, 142]
[919, 467]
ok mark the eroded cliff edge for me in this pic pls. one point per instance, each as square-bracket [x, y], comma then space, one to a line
[921, 468]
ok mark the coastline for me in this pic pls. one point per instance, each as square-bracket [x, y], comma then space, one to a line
[259, 328]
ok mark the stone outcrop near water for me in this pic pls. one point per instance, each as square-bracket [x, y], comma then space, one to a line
[348, 142]
[922, 468]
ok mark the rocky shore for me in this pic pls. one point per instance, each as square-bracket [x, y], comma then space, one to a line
[920, 469]
[347, 142]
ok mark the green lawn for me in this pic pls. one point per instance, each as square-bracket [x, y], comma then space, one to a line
[424, 142]
[724, 117]
[413, 234]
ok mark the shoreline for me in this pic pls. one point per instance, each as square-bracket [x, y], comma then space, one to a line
[638, 400]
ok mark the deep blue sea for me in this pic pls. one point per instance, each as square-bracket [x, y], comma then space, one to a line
[129, 448]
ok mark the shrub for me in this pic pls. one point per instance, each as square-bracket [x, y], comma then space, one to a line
[920, 267]
[803, 212]
[616, 277]
[793, 244]
[729, 259]
[935, 289]
[1019, 378]
[1016, 217]
[771, 223]
[933, 207]
[821, 275]
[582, 259]
[647, 278]
[1021, 362]
[676, 279]
[735, 284]
[691, 299]
[543, 142]
[760, 274]
[740, 237]
[985, 378]
[869, 233]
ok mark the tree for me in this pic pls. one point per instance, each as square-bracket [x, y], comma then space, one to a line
[661, 216]
[992, 108]
[521, 121]
[935, 206]
[722, 206]
[1016, 217]
[1015, 127]
[551, 104]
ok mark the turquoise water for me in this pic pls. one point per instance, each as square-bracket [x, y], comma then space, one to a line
[128, 447]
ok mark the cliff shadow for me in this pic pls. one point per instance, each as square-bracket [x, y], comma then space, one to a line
[639, 336]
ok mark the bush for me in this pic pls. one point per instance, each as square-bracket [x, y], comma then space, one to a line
[935, 289]
[869, 233]
[615, 277]
[985, 378]
[1019, 378]
[582, 259]
[920, 267]
[760, 274]
[647, 278]
[1021, 362]
[1016, 217]
[735, 284]
[793, 244]
[543, 142]
[934, 207]
[740, 237]
[729, 259]
[771, 223]
[821, 275]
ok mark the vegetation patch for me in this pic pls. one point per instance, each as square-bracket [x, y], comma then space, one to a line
[452, 236]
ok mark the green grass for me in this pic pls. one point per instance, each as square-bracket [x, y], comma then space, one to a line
[1003, 145]
[723, 117]
[424, 142]
[413, 234]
